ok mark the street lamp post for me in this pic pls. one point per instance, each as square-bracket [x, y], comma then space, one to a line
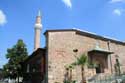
[10, 73]
[17, 74]
[9, 76]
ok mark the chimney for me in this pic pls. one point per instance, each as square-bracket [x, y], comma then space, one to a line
[37, 27]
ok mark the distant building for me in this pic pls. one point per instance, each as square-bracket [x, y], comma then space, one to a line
[48, 64]
[34, 67]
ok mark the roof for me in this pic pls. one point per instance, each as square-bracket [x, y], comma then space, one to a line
[39, 50]
[89, 34]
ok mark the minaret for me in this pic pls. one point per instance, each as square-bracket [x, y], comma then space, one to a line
[38, 27]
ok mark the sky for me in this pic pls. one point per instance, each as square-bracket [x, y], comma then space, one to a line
[17, 19]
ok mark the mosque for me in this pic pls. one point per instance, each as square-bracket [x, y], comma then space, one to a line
[47, 65]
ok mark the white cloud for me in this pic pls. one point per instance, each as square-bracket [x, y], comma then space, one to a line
[117, 12]
[2, 18]
[116, 1]
[68, 3]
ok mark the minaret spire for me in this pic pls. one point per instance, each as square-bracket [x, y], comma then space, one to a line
[38, 27]
[39, 13]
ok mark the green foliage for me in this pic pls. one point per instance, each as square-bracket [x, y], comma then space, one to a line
[70, 67]
[15, 55]
[92, 64]
[82, 60]
[70, 82]
[68, 75]
[56, 82]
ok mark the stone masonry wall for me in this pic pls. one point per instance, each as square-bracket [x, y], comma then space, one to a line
[60, 53]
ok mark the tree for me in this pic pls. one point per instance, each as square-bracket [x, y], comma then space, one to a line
[82, 61]
[15, 55]
[69, 69]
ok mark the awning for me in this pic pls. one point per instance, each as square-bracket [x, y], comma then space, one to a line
[97, 49]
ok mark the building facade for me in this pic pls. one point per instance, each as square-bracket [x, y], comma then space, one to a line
[59, 52]
[101, 50]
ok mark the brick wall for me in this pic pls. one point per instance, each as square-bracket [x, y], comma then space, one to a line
[60, 45]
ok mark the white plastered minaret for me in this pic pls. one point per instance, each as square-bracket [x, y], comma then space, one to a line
[38, 27]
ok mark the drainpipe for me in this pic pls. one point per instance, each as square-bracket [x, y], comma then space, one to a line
[110, 57]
